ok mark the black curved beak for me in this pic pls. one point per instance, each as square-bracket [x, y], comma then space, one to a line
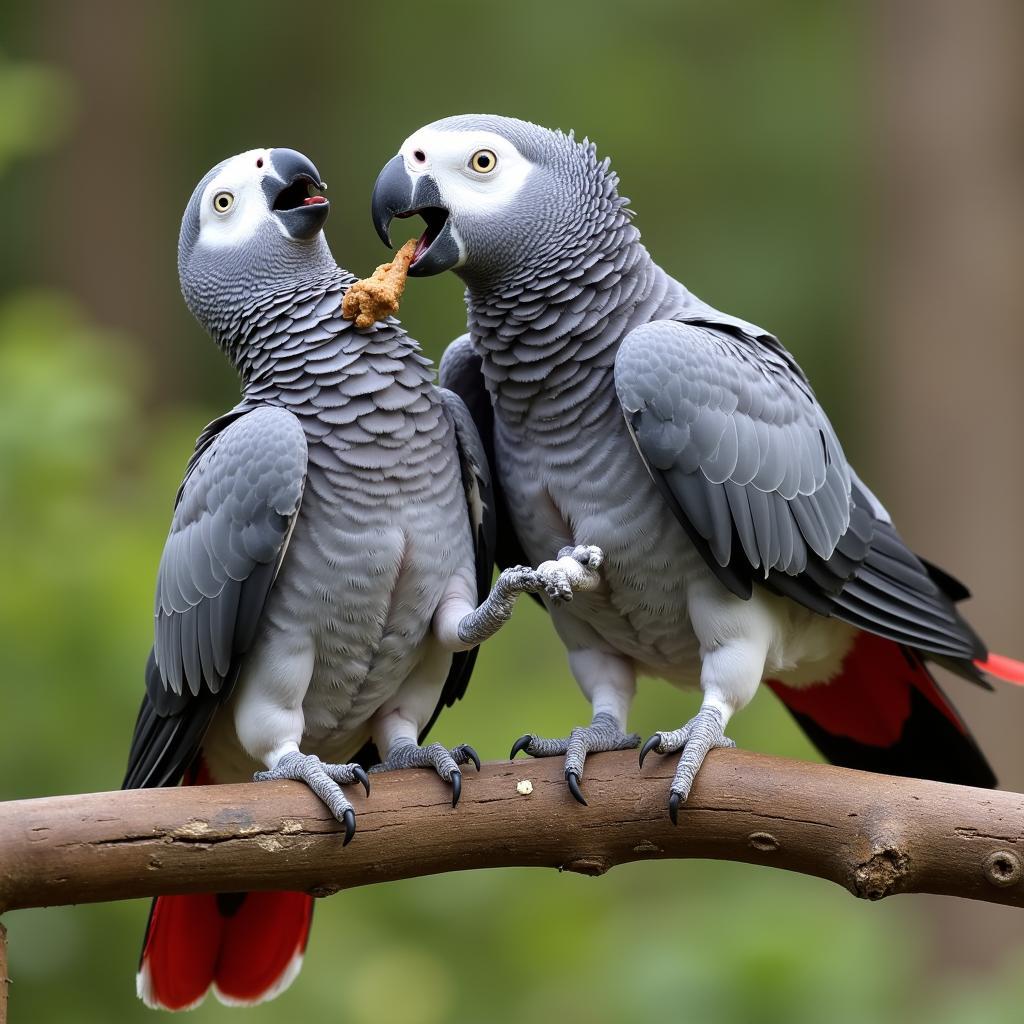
[397, 193]
[294, 194]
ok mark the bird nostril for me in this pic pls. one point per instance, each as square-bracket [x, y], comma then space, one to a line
[419, 156]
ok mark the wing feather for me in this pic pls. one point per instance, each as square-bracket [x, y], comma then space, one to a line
[476, 481]
[746, 458]
[233, 515]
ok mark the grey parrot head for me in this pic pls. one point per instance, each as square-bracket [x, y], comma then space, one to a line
[254, 225]
[498, 195]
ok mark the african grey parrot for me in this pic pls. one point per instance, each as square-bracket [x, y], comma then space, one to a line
[317, 593]
[687, 444]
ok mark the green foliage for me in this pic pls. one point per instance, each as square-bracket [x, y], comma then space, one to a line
[35, 109]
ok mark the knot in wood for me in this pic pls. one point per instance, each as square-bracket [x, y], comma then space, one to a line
[763, 841]
[592, 866]
[327, 889]
[881, 874]
[1003, 868]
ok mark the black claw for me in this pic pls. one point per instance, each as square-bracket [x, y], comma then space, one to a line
[456, 787]
[649, 746]
[362, 777]
[350, 826]
[673, 808]
[573, 781]
[472, 755]
[520, 744]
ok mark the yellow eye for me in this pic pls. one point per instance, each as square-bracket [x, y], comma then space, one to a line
[484, 161]
[223, 201]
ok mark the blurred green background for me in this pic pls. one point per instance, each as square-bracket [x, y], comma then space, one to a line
[848, 175]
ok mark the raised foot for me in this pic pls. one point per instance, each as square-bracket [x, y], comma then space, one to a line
[445, 762]
[325, 780]
[602, 734]
[702, 733]
[575, 570]
[589, 556]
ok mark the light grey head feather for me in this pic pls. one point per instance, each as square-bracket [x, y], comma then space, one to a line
[220, 283]
[568, 206]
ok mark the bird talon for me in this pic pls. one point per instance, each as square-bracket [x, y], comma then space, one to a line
[673, 807]
[435, 757]
[362, 777]
[350, 826]
[573, 781]
[521, 744]
[654, 743]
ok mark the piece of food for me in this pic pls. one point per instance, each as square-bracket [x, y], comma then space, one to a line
[377, 297]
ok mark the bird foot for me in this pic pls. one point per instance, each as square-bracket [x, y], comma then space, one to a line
[701, 734]
[589, 556]
[574, 570]
[325, 780]
[445, 762]
[602, 734]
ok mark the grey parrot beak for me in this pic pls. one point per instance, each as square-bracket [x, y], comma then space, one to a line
[293, 190]
[392, 193]
[397, 193]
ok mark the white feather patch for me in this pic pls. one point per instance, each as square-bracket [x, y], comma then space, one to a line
[287, 976]
[446, 158]
[242, 176]
[144, 990]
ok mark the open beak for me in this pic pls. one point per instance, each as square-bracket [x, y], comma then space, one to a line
[400, 194]
[294, 192]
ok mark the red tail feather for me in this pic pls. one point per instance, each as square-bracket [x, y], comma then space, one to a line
[247, 957]
[263, 947]
[179, 957]
[869, 701]
[247, 947]
[1004, 668]
[884, 712]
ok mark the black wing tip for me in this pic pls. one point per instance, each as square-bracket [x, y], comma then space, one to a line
[930, 747]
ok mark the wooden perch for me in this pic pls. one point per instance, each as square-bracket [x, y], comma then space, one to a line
[4, 979]
[873, 834]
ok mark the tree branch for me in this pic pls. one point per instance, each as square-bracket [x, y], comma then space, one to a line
[4, 979]
[873, 834]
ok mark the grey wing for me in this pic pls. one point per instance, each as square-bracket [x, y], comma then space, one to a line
[461, 372]
[232, 520]
[742, 445]
[476, 483]
[745, 456]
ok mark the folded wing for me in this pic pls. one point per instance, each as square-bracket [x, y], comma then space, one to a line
[232, 519]
[746, 458]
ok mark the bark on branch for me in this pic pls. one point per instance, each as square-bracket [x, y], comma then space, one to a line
[873, 834]
[4, 979]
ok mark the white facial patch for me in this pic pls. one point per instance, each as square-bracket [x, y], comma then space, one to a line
[242, 178]
[448, 158]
